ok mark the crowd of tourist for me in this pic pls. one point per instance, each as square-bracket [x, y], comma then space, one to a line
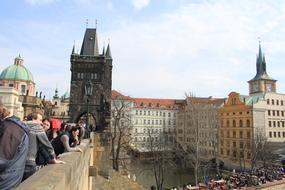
[256, 177]
[29, 144]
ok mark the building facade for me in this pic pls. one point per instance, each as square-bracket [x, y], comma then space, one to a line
[151, 120]
[235, 131]
[60, 106]
[197, 126]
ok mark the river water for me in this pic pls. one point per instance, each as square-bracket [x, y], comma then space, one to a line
[172, 177]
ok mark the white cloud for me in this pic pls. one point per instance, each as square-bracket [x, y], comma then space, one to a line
[208, 47]
[140, 4]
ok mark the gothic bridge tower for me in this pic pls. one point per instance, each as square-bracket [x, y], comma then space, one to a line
[91, 66]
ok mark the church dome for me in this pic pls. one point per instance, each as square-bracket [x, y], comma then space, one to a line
[17, 72]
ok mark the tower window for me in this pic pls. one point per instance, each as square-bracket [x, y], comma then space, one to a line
[23, 89]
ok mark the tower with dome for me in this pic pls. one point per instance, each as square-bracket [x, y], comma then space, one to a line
[17, 89]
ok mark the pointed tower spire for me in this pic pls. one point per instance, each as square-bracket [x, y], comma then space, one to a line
[108, 51]
[56, 93]
[262, 82]
[90, 43]
[73, 49]
[103, 52]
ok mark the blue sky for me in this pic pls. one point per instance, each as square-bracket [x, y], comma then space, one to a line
[161, 48]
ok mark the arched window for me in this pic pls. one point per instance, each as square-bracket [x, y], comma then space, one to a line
[228, 123]
[247, 123]
[234, 123]
[240, 123]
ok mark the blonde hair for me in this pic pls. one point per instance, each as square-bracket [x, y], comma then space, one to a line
[3, 111]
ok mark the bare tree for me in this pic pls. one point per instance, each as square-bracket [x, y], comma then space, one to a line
[259, 143]
[121, 128]
[161, 157]
[201, 127]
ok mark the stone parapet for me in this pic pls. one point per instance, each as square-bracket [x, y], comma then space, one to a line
[73, 175]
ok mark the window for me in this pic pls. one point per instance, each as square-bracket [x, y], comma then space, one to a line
[277, 102]
[277, 112]
[270, 134]
[240, 123]
[168, 114]
[279, 134]
[137, 112]
[269, 123]
[234, 123]
[234, 153]
[144, 112]
[272, 102]
[222, 152]
[268, 112]
[274, 134]
[247, 123]
[11, 85]
[268, 101]
[274, 123]
[278, 123]
[241, 145]
[148, 113]
[282, 113]
[281, 102]
[23, 89]
[234, 144]
[234, 134]
[248, 134]
[241, 134]
[228, 123]
[283, 134]
[273, 112]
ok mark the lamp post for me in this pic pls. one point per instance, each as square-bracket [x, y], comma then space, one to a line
[88, 93]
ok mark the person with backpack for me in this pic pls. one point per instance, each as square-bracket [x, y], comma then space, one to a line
[14, 141]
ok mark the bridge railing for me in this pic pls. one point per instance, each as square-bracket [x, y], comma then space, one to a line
[72, 175]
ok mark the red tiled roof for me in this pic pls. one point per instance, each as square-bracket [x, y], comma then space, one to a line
[118, 95]
[154, 102]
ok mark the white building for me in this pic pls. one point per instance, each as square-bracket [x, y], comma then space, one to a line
[151, 119]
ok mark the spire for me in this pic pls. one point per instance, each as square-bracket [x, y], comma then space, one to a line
[261, 72]
[56, 93]
[90, 43]
[108, 51]
[73, 49]
[103, 52]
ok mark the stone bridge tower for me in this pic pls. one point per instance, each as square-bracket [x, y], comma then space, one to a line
[92, 66]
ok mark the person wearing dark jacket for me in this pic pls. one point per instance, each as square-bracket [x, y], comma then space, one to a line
[67, 141]
[38, 139]
[14, 142]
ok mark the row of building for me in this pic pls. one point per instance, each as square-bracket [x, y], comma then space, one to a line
[224, 128]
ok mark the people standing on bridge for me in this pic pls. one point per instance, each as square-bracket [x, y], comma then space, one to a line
[67, 141]
[38, 139]
[14, 141]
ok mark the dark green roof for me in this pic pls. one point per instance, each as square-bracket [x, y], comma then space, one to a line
[261, 67]
[17, 72]
[250, 100]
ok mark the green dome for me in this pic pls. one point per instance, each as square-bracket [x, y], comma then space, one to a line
[17, 72]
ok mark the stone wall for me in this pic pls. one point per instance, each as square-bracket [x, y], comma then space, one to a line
[73, 175]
